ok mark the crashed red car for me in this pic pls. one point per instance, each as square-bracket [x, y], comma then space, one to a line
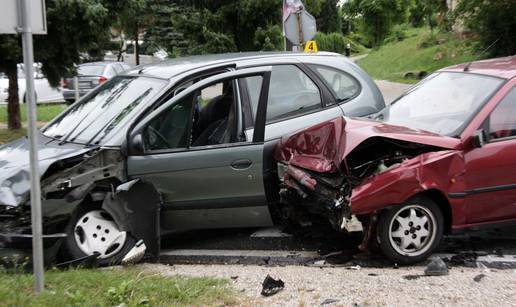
[441, 158]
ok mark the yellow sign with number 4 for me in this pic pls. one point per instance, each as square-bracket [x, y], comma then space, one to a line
[311, 47]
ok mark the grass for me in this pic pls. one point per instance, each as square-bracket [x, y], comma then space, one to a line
[7, 136]
[113, 287]
[46, 112]
[422, 50]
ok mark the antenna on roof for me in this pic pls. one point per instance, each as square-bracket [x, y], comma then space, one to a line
[466, 68]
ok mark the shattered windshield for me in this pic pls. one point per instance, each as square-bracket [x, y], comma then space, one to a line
[89, 121]
[443, 103]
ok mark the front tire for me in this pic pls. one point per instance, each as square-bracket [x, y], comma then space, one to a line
[409, 233]
[92, 230]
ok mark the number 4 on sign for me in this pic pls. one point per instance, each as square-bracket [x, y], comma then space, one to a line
[311, 47]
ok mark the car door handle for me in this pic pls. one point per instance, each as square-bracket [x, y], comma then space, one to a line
[241, 164]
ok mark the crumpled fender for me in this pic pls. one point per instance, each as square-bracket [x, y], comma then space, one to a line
[442, 171]
[135, 206]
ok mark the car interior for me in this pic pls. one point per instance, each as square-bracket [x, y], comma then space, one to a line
[213, 116]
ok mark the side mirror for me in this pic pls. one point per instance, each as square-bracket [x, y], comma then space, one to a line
[479, 138]
[136, 144]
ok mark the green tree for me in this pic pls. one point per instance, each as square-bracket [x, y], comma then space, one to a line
[131, 17]
[328, 20]
[74, 27]
[493, 22]
[379, 16]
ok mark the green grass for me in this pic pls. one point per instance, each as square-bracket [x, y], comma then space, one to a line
[420, 51]
[45, 112]
[113, 287]
[7, 136]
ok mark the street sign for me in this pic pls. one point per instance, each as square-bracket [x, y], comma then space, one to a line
[300, 27]
[11, 18]
[311, 47]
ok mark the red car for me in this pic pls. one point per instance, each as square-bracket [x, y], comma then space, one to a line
[441, 158]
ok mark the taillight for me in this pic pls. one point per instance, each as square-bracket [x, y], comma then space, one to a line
[102, 79]
[64, 83]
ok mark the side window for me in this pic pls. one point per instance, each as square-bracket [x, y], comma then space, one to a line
[169, 130]
[502, 121]
[211, 112]
[291, 93]
[343, 85]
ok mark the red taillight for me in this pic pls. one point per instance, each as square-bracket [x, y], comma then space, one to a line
[64, 83]
[102, 79]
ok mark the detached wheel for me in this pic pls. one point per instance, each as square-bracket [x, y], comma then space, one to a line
[410, 232]
[92, 230]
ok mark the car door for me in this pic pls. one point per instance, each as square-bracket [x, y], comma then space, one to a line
[203, 186]
[491, 169]
[297, 99]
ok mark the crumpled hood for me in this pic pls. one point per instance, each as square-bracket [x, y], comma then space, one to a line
[323, 147]
[15, 167]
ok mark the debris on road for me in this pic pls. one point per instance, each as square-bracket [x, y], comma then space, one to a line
[329, 301]
[468, 259]
[271, 286]
[479, 277]
[436, 267]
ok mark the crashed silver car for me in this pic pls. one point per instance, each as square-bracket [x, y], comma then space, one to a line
[184, 144]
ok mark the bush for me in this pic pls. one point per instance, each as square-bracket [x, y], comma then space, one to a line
[336, 42]
[398, 34]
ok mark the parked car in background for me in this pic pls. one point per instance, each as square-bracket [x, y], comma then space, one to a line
[91, 75]
[43, 90]
[192, 139]
[440, 158]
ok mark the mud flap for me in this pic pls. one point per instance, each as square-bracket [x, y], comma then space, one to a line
[135, 206]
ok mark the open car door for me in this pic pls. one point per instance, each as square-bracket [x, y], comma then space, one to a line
[194, 151]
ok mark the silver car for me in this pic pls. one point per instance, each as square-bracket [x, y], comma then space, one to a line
[183, 144]
[90, 75]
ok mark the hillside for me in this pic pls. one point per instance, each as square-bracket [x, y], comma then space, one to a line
[419, 51]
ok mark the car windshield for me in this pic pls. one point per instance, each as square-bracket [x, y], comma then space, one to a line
[443, 103]
[92, 118]
[90, 70]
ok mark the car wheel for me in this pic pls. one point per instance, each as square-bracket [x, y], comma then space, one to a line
[92, 230]
[409, 233]
[70, 101]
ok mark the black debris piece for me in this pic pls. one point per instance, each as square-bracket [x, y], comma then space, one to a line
[412, 277]
[329, 301]
[479, 277]
[372, 274]
[234, 277]
[436, 267]
[463, 259]
[271, 286]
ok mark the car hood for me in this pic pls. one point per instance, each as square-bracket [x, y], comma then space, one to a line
[323, 147]
[15, 165]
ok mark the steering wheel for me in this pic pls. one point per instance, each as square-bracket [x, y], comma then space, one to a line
[159, 135]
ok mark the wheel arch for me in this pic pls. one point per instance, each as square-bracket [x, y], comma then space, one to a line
[442, 202]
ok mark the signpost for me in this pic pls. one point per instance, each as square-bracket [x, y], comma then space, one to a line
[28, 17]
[300, 27]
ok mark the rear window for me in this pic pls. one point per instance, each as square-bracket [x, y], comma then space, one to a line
[90, 70]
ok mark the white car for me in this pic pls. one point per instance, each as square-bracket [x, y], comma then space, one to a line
[44, 92]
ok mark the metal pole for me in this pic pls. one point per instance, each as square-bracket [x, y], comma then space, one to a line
[300, 25]
[35, 192]
[76, 87]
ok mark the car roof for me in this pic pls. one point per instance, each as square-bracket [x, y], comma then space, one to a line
[98, 63]
[173, 67]
[499, 67]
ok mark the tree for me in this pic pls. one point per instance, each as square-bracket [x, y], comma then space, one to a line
[131, 18]
[74, 27]
[328, 20]
[493, 22]
[379, 16]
